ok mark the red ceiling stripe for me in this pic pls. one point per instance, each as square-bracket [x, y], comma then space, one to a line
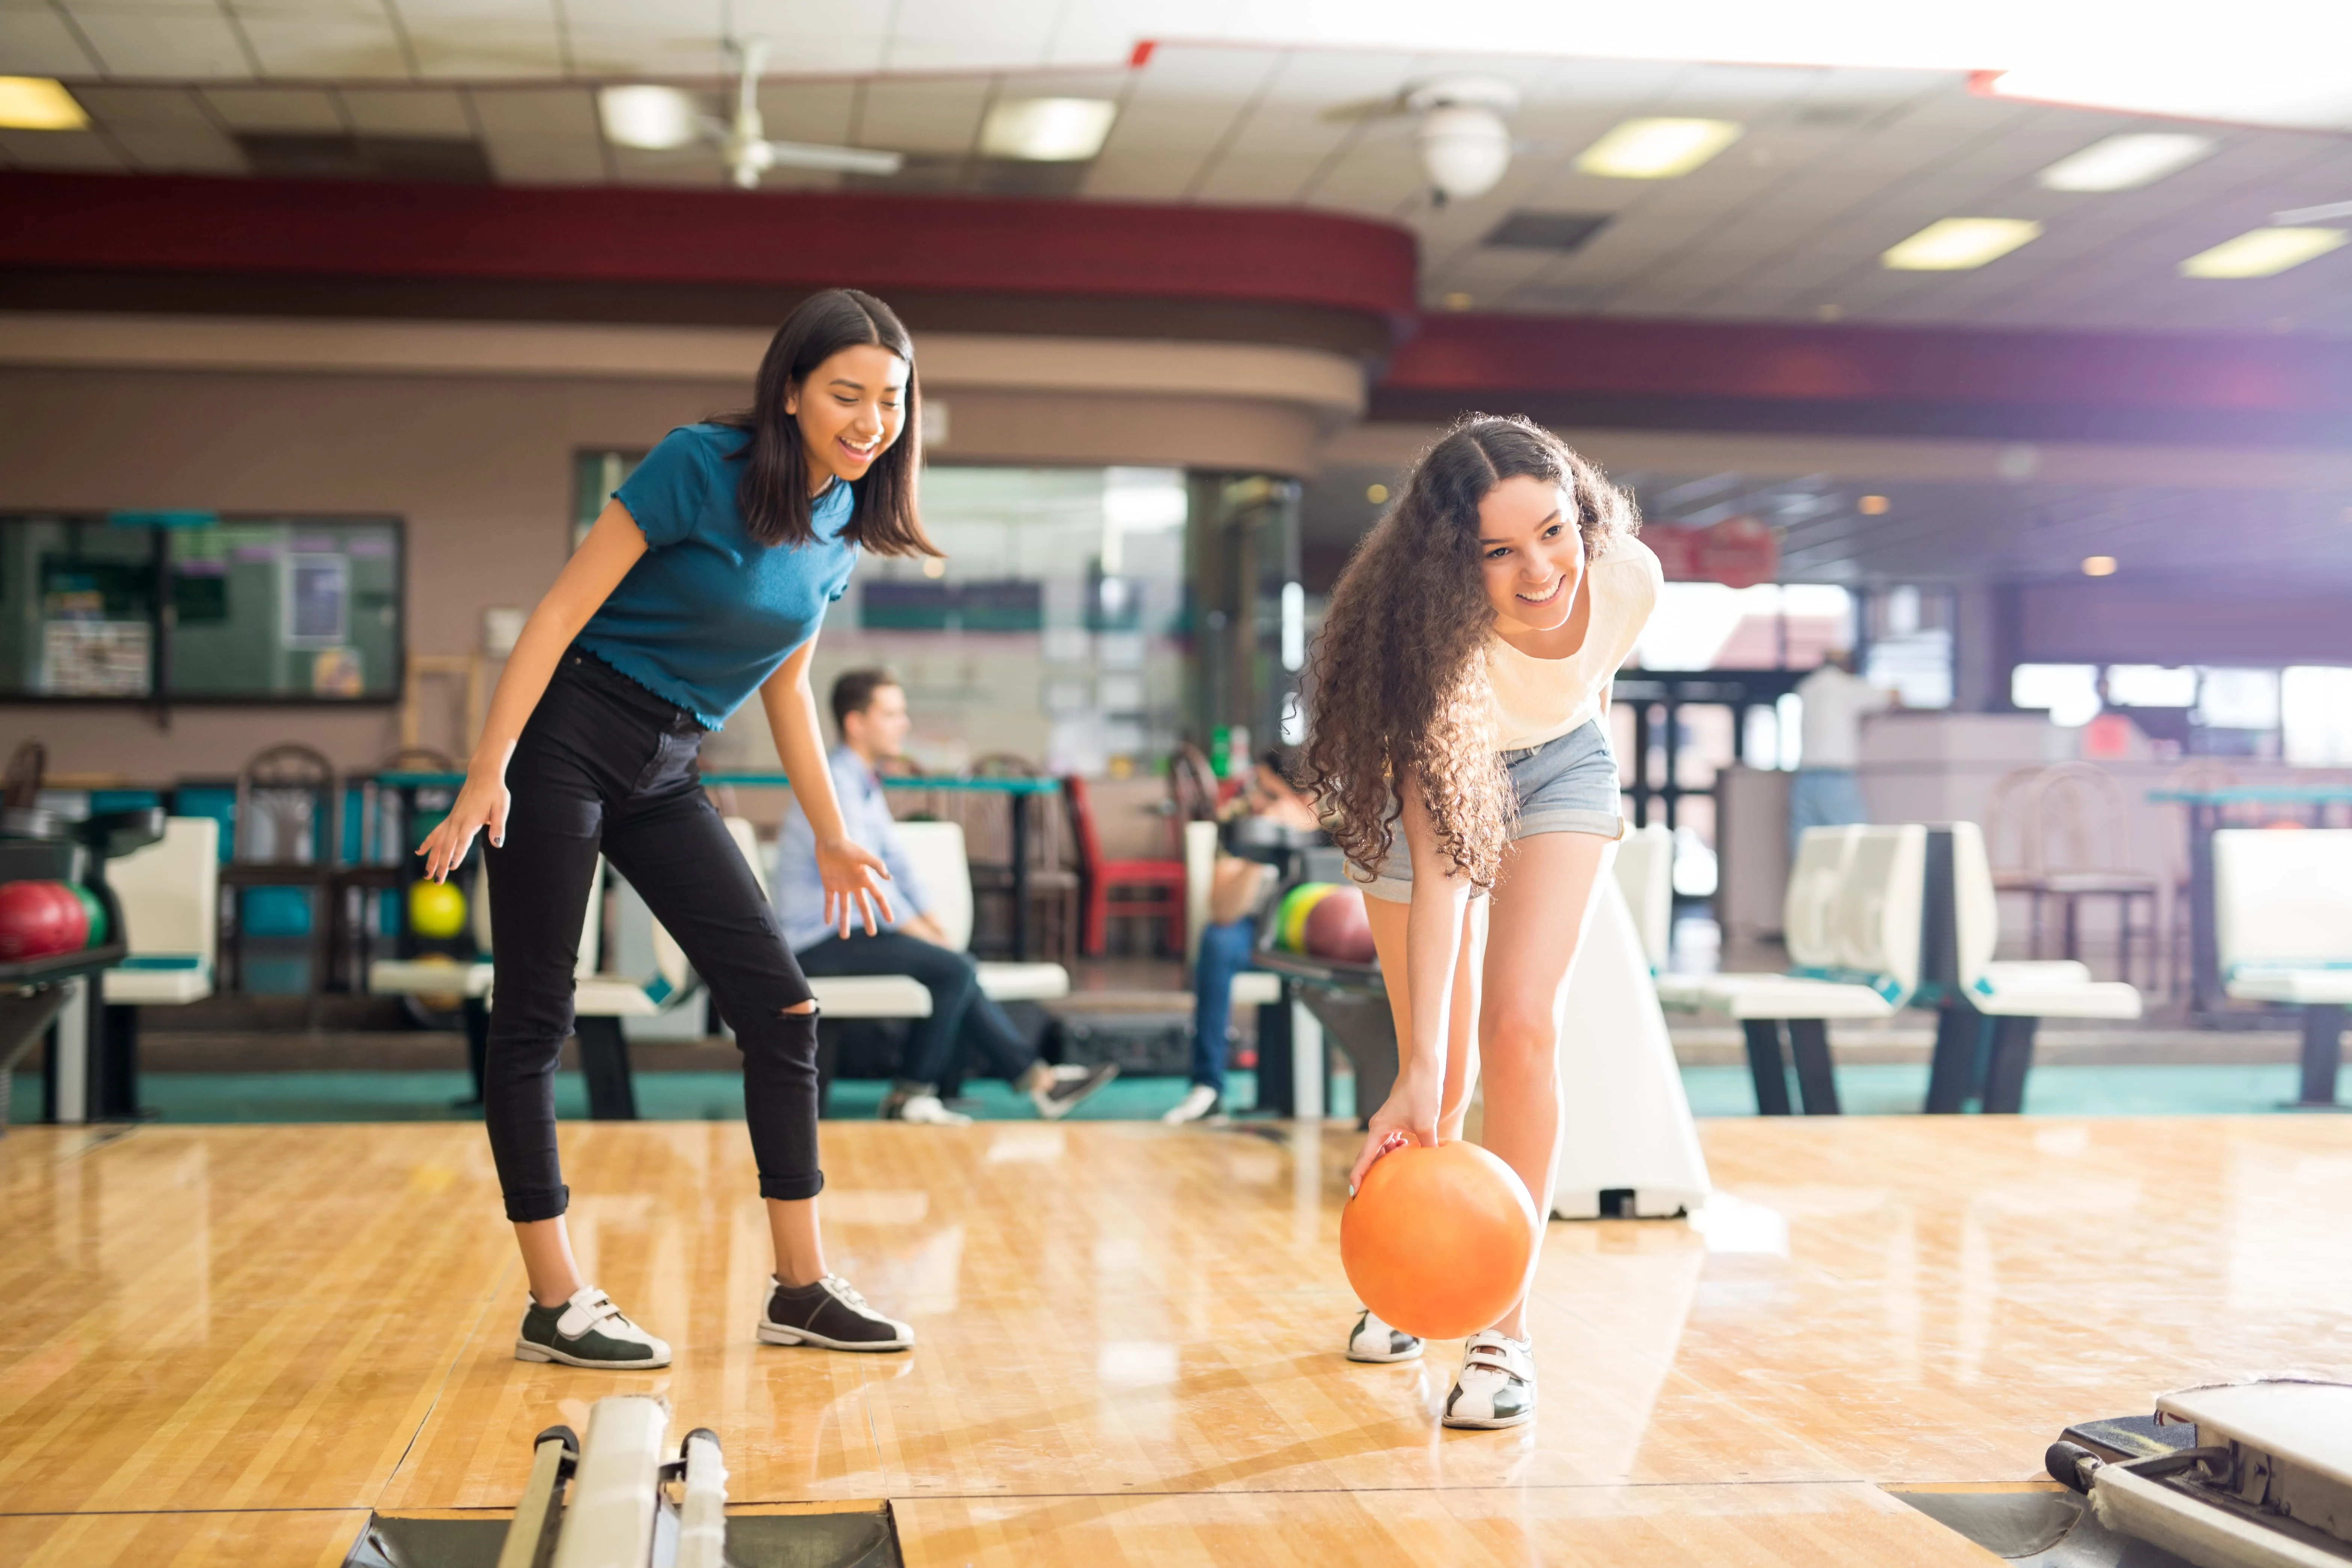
[1487, 354]
[602, 234]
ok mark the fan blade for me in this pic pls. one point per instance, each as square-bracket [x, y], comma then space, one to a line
[2314, 215]
[843, 160]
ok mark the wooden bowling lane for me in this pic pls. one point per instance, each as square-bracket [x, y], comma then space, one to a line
[294, 1538]
[1128, 1335]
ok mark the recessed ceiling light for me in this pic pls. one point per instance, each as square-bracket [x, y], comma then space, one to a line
[1656, 149]
[1457, 300]
[1871, 506]
[38, 103]
[1376, 494]
[2261, 252]
[1957, 244]
[2126, 163]
[655, 119]
[2098, 566]
[1047, 130]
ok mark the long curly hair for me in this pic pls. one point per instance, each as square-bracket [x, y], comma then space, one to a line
[1397, 685]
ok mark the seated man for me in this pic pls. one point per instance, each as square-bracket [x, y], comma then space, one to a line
[870, 709]
[1235, 890]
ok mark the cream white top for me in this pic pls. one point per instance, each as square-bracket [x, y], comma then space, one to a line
[1539, 700]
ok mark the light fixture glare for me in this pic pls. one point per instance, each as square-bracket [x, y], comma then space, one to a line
[1957, 244]
[2098, 566]
[2263, 252]
[1656, 149]
[2126, 163]
[1047, 130]
[653, 119]
[38, 103]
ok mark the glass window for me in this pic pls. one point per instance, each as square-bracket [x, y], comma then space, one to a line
[1051, 630]
[2232, 699]
[2150, 686]
[2069, 692]
[2316, 712]
[595, 476]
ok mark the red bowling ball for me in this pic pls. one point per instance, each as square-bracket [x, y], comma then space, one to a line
[39, 918]
[1339, 929]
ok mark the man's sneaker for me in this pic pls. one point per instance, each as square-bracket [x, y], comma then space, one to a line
[588, 1330]
[830, 1313]
[1496, 1385]
[1056, 1096]
[928, 1109]
[1199, 1104]
[1373, 1340]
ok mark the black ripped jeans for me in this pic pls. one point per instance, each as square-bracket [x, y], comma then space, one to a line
[606, 766]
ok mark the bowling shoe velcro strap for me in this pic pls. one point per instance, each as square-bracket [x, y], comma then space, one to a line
[1497, 1384]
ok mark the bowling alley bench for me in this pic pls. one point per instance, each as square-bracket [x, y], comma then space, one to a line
[603, 999]
[1881, 919]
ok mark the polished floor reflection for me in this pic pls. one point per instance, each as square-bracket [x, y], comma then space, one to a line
[227, 1345]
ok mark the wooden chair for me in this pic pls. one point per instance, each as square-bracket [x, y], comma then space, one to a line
[1151, 888]
[289, 830]
[22, 789]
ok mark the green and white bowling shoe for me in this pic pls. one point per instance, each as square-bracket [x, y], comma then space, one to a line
[588, 1330]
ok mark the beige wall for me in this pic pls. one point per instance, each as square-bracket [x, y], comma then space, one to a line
[480, 467]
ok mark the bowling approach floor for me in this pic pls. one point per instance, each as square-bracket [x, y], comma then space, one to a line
[227, 1345]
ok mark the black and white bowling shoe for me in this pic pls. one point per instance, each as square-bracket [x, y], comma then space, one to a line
[588, 1330]
[1496, 1385]
[830, 1314]
[1372, 1341]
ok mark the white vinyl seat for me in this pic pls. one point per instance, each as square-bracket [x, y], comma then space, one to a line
[2283, 923]
[1645, 875]
[169, 896]
[1984, 1036]
[1852, 922]
[441, 975]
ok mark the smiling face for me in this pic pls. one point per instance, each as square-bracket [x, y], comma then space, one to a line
[1530, 553]
[849, 411]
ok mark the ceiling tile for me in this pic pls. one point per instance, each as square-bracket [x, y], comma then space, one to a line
[550, 112]
[408, 111]
[361, 47]
[166, 43]
[1141, 177]
[120, 108]
[199, 149]
[277, 108]
[686, 166]
[528, 159]
[806, 111]
[938, 116]
[58, 150]
[500, 48]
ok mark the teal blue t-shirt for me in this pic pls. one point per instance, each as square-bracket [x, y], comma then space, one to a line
[708, 613]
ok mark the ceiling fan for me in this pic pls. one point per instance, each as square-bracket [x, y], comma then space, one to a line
[662, 119]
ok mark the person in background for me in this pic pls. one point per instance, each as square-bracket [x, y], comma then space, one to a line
[1824, 793]
[1235, 890]
[869, 707]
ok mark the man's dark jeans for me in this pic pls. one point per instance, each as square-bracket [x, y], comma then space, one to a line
[960, 1014]
[606, 766]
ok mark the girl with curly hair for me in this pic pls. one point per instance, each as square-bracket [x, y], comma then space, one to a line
[1459, 751]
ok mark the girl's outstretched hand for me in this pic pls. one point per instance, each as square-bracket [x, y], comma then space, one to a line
[851, 893]
[1408, 1117]
[481, 803]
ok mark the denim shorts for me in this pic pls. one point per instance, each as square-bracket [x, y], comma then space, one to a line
[1565, 785]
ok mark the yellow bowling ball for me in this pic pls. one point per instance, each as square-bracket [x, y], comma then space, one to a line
[435, 910]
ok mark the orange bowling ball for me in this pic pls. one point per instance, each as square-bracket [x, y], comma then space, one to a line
[1438, 1242]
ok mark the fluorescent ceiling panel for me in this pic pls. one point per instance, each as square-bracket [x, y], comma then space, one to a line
[1957, 244]
[653, 118]
[1047, 130]
[1656, 149]
[2263, 252]
[38, 103]
[2126, 163]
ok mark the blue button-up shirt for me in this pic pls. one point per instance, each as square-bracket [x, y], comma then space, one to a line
[866, 814]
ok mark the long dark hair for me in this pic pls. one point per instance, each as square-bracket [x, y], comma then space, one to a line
[775, 492]
[1399, 678]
